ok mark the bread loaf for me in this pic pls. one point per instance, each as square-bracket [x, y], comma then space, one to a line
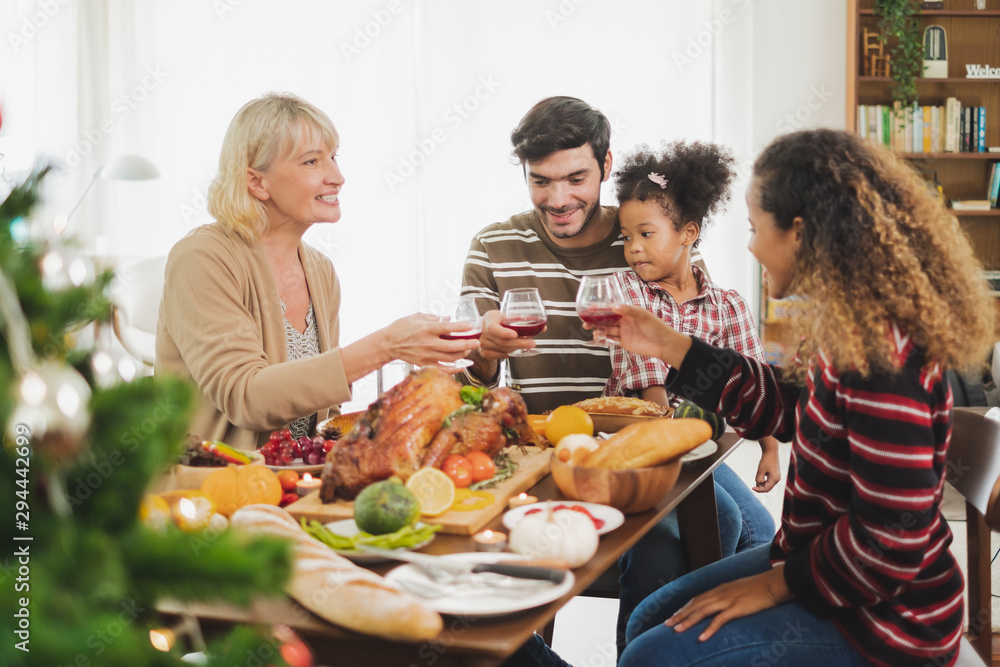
[623, 405]
[649, 443]
[336, 589]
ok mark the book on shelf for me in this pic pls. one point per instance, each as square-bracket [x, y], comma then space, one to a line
[970, 204]
[993, 190]
[981, 134]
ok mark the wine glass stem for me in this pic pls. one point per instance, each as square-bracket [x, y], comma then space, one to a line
[599, 337]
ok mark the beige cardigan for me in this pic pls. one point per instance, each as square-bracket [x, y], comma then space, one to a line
[221, 325]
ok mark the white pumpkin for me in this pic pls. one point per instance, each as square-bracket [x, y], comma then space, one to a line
[564, 534]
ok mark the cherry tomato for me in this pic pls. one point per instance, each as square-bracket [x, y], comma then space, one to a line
[458, 468]
[482, 466]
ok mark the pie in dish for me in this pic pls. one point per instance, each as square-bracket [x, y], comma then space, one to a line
[622, 405]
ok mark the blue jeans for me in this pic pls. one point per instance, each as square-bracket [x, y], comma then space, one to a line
[788, 634]
[758, 524]
[658, 558]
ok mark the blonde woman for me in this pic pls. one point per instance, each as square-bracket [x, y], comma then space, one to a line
[250, 313]
[891, 296]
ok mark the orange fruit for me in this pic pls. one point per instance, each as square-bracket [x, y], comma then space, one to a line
[567, 419]
[288, 479]
[232, 488]
[537, 422]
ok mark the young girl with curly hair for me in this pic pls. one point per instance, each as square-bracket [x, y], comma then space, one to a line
[892, 296]
[666, 198]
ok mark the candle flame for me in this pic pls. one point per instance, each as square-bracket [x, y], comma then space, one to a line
[487, 534]
[161, 639]
[307, 478]
[187, 508]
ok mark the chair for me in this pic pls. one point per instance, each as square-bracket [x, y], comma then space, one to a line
[974, 471]
[135, 306]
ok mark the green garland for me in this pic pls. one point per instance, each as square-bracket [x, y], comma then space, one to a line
[91, 579]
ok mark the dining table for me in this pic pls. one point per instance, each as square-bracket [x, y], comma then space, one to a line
[471, 641]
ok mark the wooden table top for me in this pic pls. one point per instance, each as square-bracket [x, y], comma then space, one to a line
[481, 642]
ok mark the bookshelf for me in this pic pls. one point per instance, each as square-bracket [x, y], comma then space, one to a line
[973, 36]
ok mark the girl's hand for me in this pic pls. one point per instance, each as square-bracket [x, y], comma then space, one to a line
[734, 599]
[768, 470]
[641, 332]
[416, 339]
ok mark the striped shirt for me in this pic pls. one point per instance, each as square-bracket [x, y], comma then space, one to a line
[519, 253]
[862, 537]
[717, 316]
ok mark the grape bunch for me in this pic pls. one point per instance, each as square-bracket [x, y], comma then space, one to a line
[282, 449]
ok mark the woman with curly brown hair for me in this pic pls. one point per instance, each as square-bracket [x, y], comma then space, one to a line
[891, 296]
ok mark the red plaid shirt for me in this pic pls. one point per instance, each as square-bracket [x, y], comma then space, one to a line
[717, 316]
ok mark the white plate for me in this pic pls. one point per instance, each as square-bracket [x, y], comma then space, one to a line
[612, 518]
[300, 468]
[347, 528]
[477, 602]
[706, 448]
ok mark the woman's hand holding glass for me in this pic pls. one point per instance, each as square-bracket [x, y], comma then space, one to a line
[641, 332]
[463, 311]
[420, 340]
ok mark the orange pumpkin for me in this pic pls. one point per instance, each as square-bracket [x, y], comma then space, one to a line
[234, 487]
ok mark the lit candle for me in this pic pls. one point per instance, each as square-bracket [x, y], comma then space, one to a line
[308, 484]
[192, 514]
[490, 540]
[521, 499]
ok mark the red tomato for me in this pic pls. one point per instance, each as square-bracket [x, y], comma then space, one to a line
[482, 466]
[458, 468]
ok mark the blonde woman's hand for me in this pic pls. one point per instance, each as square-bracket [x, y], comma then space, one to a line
[641, 332]
[416, 339]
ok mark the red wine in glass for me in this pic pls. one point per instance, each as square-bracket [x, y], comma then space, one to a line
[599, 317]
[525, 328]
[462, 335]
[594, 300]
[522, 311]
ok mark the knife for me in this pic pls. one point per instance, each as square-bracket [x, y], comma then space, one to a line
[458, 568]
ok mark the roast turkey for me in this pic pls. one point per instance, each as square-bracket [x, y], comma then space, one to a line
[406, 429]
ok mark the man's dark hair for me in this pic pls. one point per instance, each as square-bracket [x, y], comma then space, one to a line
[558, 124]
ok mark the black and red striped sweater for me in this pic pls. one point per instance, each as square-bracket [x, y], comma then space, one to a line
[862, 536]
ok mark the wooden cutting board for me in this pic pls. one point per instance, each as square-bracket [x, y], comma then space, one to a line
[532, 466]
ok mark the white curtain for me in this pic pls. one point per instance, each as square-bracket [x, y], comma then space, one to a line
[424, 94]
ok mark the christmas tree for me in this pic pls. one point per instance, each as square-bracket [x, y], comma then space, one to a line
[81, 574]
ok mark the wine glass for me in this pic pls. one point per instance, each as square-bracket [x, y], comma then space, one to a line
[522, 311]
[462, 309]
[593, 304]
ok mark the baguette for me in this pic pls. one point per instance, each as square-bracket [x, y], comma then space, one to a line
[648, 444]
[623, 405]
[336, 589]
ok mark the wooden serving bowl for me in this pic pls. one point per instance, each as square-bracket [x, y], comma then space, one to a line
[191, 477]
[631, 491]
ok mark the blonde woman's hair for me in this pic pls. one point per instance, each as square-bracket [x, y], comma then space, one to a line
[265, 129]
[878, 249]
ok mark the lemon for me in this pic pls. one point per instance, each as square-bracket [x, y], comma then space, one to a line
[434, 490]
[565, 420]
